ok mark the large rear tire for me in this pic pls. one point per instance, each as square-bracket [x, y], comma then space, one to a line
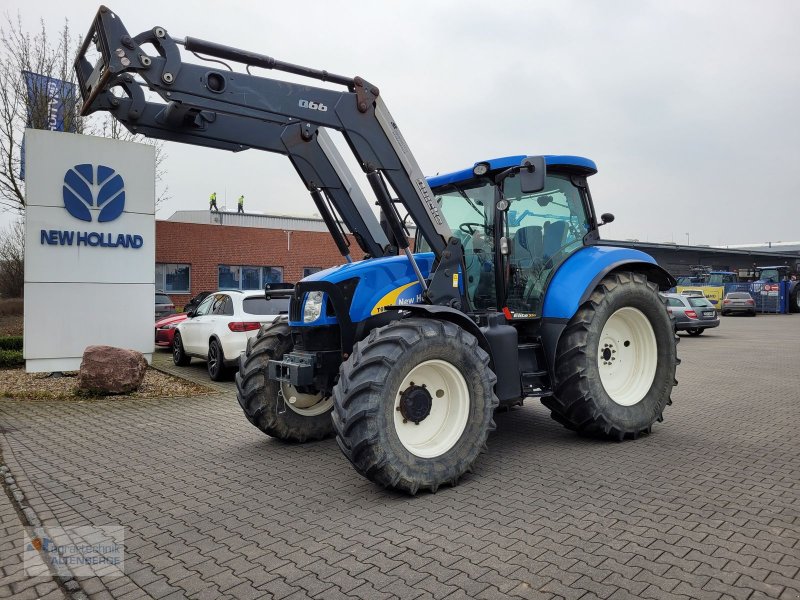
[278, 409]
[414, 404]
[615, 361]
[794, 299]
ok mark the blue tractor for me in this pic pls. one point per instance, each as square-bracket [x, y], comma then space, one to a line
[772, 276]
[405, 355]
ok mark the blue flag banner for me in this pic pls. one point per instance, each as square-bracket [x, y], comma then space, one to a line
[48, 102]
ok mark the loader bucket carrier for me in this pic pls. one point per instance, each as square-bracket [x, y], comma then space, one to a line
[406, 357]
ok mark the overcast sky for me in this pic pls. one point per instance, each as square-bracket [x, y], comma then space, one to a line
[689, 109]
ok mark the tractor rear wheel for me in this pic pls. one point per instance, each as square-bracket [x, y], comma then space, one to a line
[794, 299]
[414, 404]
[279, 409]
[615, 361]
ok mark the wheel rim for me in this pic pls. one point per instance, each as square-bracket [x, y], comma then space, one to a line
[627, 356]
[213, 358]
[440, 429]
[308, 405]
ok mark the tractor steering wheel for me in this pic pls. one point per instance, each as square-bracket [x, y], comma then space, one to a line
[471, 228]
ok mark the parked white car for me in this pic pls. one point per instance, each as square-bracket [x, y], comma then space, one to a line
[217, 331]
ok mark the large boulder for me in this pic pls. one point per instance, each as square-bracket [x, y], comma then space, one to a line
[109, 370]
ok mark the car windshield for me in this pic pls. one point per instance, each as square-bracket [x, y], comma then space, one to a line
[740, 296]
[258, 305]
[163, 299]
[699, 302]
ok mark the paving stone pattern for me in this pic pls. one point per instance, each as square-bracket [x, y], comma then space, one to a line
[706, 507]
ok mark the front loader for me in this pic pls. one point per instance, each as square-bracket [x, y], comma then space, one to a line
[405, 356]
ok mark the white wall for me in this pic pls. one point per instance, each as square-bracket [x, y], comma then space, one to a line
[90, 286]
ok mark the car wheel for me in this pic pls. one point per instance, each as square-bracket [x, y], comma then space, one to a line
[179, 356]
[216, 361]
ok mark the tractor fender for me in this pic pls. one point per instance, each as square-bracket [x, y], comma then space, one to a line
[445, 313]
[577, 277]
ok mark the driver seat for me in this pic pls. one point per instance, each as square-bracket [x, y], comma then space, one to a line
[528, 246]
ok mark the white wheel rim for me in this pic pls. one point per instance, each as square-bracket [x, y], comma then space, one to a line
[439, 431]
[627, 356]
[308, 405]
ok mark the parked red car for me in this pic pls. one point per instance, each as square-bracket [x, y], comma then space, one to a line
[165, 329]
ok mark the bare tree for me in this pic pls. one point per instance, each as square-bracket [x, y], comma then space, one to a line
[30, 103]
[12, 260]
[111, 128]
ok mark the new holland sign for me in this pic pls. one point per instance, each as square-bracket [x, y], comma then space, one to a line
[89, 247]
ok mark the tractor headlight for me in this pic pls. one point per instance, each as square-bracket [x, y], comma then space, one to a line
[480, 169]
[312, 308]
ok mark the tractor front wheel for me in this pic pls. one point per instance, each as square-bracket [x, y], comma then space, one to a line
[414, 404]
[276, 408]
[615, 361]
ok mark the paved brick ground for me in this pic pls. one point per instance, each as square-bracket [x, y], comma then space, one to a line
[706, 507]
[13, 581]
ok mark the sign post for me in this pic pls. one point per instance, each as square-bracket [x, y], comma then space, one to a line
[89, 247]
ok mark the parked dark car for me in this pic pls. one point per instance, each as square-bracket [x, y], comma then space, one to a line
[693, 314]
[195, 302]
[164, 306]
[738, 303]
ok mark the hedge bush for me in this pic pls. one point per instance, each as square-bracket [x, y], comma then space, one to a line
[11, 358]
[11, 342]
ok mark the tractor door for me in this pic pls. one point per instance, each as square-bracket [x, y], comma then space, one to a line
[543, 229]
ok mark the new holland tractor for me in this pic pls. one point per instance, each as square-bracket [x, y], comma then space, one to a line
[405, 356]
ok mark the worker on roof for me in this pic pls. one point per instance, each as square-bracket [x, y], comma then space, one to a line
[241, 204]
[212, 202]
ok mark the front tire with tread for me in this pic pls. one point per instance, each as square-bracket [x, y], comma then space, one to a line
[366, 396]
[258, 395]
[580, 401]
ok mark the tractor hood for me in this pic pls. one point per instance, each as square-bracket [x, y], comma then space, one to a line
[381, 282]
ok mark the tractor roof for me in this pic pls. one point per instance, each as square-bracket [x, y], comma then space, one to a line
[579, 163]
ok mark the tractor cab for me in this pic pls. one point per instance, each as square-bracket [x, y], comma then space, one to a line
[514, 240]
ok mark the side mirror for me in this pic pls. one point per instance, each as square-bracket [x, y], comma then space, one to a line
[606, 218]
[531, 175]
[190, 314]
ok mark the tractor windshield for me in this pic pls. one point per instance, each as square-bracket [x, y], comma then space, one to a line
[469, 210]
[543, 229]
[769, 274]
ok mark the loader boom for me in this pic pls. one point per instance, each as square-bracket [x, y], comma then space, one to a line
[191, 90]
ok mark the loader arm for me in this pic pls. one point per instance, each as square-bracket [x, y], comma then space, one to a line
[312, 153]
[358, 113]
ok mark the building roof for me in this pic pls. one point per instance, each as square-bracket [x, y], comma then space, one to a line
[286, 222]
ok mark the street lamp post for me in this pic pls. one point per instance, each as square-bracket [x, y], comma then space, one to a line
[687, 238]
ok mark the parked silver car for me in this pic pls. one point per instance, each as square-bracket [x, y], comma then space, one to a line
[738, 302]
[693, 314]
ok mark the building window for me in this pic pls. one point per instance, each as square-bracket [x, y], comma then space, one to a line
[310, 271]
[248, 278]
[175, 278]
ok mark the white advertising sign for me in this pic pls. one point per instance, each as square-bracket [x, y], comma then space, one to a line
[89, 247]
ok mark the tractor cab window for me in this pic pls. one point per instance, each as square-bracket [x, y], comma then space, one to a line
[543, 229]
[469, 210]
